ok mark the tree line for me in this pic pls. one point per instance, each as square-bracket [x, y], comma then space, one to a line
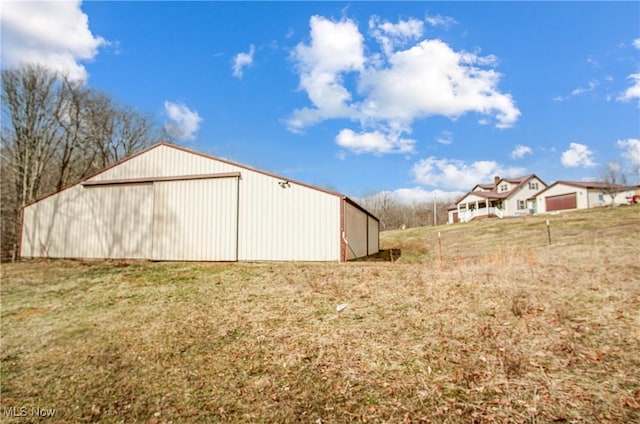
[55, 132]
[394, 214]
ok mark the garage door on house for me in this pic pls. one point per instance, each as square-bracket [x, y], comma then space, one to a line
[196, 220]
[561, 202]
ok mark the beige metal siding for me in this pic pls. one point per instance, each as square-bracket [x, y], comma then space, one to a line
[105, 222]
[164, 161]
[373, 230]
[275, 223]
[196, 220]
[187, 220]
[356, 231]
[291, 223]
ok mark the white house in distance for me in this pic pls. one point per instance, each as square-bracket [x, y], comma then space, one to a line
[504, 197]
[566, 195]
[171, 203]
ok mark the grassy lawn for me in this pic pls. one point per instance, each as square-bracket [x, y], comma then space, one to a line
[487, 323]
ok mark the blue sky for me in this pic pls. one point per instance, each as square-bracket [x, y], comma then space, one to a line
[408, 97]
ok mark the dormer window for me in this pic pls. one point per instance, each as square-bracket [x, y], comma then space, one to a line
[504, 187]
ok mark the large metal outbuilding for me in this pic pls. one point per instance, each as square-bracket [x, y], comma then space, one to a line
[174, 204]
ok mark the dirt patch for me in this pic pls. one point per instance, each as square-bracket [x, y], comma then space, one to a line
[31, 312]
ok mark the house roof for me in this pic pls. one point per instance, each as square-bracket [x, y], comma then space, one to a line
[587, 185]
[485, 186]
[492, 192]
[518, 180]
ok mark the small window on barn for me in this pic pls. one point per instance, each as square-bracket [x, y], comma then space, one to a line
[533, 185]
[522, 204]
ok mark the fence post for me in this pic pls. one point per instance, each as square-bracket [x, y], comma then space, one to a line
[548, 231]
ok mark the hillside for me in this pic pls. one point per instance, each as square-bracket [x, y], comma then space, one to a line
[502, 328]
[570, 230]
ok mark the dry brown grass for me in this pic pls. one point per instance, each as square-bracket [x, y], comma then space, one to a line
[503, 329]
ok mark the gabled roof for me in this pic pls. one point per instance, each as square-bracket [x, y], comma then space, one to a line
[492, 192]
[208, 156]
[587, 185]
[484, 186]
[518, 180]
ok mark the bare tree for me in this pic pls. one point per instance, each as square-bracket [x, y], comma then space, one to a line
[54, 133]
[116, 131]
[614, 181]
[394, 214]
[30, 133]
[30, 137]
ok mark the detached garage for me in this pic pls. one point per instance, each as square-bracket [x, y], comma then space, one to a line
[168, 203]
[567, 195]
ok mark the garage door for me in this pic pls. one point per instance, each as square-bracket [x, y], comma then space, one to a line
[561, 202]
[120, 223]
[196, 220]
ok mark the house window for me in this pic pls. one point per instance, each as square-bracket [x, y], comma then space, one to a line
[522, 205]
[533, 185]
[504, 187]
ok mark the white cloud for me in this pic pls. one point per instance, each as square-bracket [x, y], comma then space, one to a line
[520, 151]
[457, 175]
[242, 60]
[420, 195]
[336, 48]
[577, 155]
[613, 166]
[374, 142]
[631, 148]
[411, 196]
[432, 79]
[581, 90]
[636, 43]
[445, 138]
[439, 20]
[390, 35]
[52, 34]
[591, 85]
[184, 123]
[632, 92]
[425, 79]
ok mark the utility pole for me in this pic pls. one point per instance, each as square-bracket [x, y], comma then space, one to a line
[435, 210]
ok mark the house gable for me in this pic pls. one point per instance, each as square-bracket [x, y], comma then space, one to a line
[505, 197]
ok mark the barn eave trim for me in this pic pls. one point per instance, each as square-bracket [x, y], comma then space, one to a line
[160, 179]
